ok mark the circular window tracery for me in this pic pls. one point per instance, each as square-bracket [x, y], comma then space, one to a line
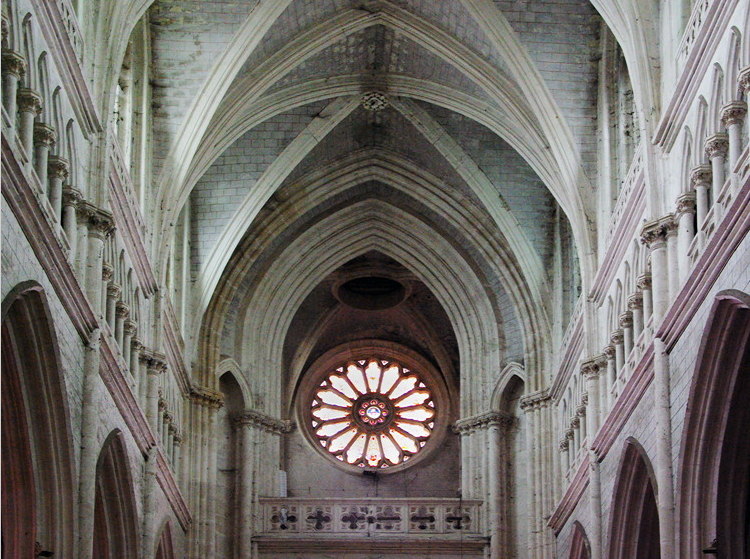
[373, 413]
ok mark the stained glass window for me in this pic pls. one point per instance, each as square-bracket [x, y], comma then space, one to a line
[373, 413]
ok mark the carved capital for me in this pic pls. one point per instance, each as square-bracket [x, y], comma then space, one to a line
[113, 290]
[575, 421]
[206, 397]
[733, 113]
[482, 421]
[29, 101]
[590, 367]
[265, 422]
[643, 282]
[626, 320]
[717, 145]
[163, 406]
[569, 433]
[107, 273]
[535, 401]
[44, 134]
[609, 352]
[59, 168]
[130, 327]
[122, 310]
[701, 176]
[71, 196]
[13, 63]
[581, 410]
[563, 444]
[156, 363]
[654, 233]
[743, 80]
[135, 343]
[685, 204]
[617, 338]
[635, 301]
[100, 222]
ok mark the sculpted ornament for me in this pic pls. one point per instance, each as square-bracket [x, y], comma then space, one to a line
[733, 113]
[717, 145]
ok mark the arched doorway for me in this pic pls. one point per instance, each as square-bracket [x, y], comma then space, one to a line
[714, 478]
[37, 464]
[634, 526]
[115, 526]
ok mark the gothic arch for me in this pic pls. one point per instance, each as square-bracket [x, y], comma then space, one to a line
[580, 547]
[165, 547]
[714, 482]
[634, 522]
[37, 467]
[115, 514]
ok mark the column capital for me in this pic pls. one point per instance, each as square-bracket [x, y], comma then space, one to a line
[135, 343]
[156, 363]
[733, 113]
[263, 421]
[563, 444]
[206, 397]
[130, 327]
[618, 337]
[701, 176]
[13, 62]
[654, 233]
[626, 320]
[71, 196]
[482, 421]
[58, 167]
[44, 134]
[591, 367]
[643, 282]
[609, 352]
[536, 400]
[717, 145]
[581, 410]
[743, 80]
[122, 310]
[575, 420]
[113, 289]
[569, 432]
[685, 204]
[635, 301]
[107, 273]
[100, 222]
[29, 101]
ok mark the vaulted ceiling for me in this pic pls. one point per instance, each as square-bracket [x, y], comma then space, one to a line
[487, 135]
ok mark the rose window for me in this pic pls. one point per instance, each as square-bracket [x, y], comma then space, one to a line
[373, 413]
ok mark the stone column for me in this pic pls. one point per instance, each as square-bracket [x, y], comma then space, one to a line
[135, 362]
[581, 413]
[700, 179]
[575, 423]
[626, 323]
[664, 477]
[129, 330]
[497, 429]
[44, 138]
[176, 453]
[590, 372]
[564, 455]
[113, 294]
[595, 505]
[644, 284]
[99, 226]
[122, 311]
[148, 535]
[570, 436]
[716, 151]
[14, 67]
[609, 353]
[672, 259]
[247, 474]
[29, 107]
[685, 217]
[635, 306]
[732, 116]
[58, 172]
[654, 235]
[156, 364]
[465, 468]
[71, 197]
[618, 340]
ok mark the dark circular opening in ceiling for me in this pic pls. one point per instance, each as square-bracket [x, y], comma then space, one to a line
[371, 293]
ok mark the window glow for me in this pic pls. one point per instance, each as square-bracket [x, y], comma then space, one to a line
[372, 413]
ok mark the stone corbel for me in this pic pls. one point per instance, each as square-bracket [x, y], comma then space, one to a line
[482, 421]
[264, 422]
[206, 397]
[535, 401]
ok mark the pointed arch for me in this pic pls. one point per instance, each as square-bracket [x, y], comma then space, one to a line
[714, 479]
[634, 521]
[165, 546]
[580, 547]
[38, 460]
[115, 512]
